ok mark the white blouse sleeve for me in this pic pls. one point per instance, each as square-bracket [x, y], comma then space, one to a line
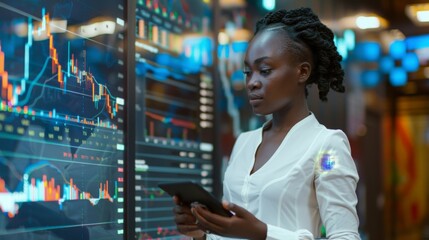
[335, 184]
[278, 233]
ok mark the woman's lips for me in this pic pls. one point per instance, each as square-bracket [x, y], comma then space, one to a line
[255, 99]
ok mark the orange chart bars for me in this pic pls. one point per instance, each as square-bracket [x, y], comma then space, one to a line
[6, 87]
[56, 66]
[44, 190]
[3, 74]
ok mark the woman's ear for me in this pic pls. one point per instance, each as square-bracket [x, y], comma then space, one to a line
[304, 71]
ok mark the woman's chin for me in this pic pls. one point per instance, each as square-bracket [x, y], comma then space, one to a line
[259, 112]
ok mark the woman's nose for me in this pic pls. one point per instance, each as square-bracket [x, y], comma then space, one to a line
[253, 83]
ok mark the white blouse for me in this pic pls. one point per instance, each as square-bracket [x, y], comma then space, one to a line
[310, 180]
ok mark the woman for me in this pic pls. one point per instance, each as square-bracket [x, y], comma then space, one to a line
[291, 176]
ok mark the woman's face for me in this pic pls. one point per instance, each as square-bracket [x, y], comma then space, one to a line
[273, 73]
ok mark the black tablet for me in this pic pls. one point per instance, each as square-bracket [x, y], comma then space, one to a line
[190, 192]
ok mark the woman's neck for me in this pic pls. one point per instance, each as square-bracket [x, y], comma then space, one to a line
[285, 119]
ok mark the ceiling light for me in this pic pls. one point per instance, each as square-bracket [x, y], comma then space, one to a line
[269, 4]
[367, 22]
[226, 4]
[364, 21]
[423, 16]
[418, 13]
[223, 38]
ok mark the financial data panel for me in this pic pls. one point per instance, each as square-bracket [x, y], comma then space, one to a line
[174, 107]
[62, 77]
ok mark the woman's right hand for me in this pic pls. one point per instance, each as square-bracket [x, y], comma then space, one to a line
[185, 221]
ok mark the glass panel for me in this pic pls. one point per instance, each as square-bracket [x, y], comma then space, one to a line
[174, 107]
[61, 119]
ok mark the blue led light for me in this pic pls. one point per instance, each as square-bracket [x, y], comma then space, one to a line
[190, 65]
[410, 62]
[239, 47]
[367, 51]
[417, 42]
[370, 78]
[163, 59]
[398, 77]
[223, 51]
[269, 4]
[237, 76]
[386, 64]
[397, 49]
[141, 69]
[327, 163]
[341, 47]
[349, 39]
[346, 43]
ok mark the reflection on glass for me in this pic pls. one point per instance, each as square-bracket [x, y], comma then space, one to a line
[61, 119]
[174, 107]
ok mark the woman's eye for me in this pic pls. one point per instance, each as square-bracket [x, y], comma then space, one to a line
[265, 71]
[246, 72]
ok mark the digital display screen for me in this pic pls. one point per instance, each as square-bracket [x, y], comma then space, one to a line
[62, 80]
[174, 108]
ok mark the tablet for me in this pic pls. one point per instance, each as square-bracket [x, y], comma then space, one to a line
[190, 192]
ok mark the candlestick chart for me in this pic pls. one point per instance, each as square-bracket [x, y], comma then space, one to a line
[62, 119]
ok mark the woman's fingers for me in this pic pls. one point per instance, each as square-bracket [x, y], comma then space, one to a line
[187, 228]
[185, 219]
[202, 215]
[181, 210]
[190, 230]
[183, 215]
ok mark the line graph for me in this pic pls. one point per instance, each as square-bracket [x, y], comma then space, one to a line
[62, 101]
[16, 94]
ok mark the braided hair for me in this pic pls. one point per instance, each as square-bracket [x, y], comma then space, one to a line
[308, 34]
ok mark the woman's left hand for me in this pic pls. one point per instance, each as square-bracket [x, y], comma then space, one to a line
[241, 225]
